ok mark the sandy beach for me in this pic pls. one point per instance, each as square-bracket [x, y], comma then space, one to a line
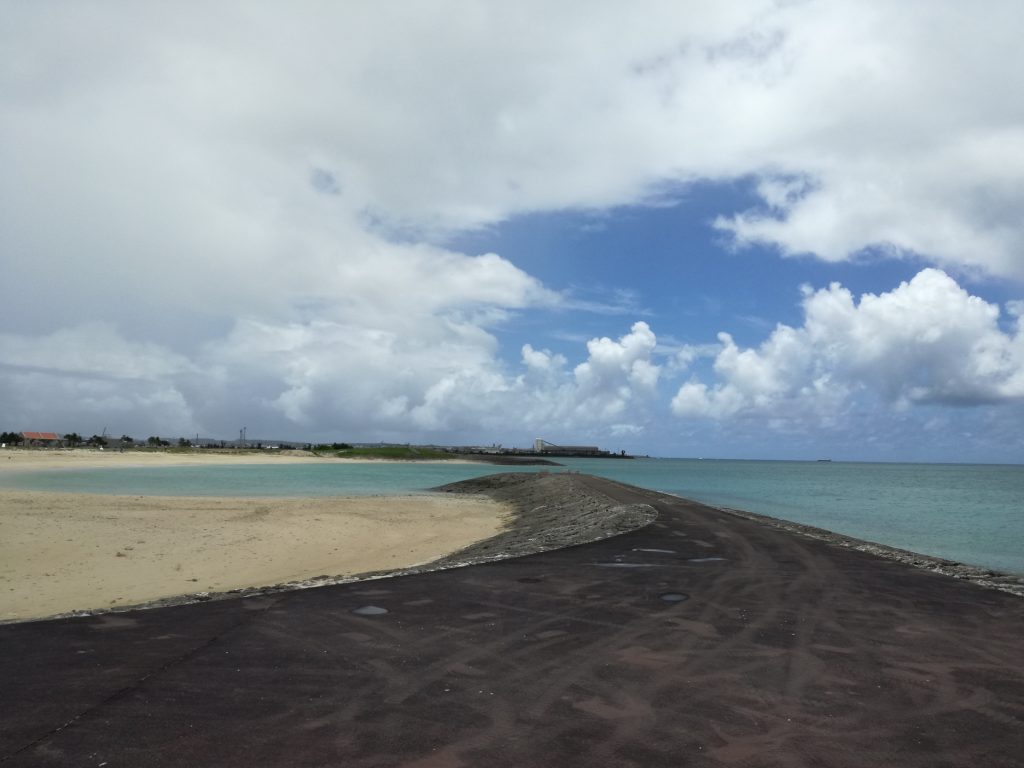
[62, 552]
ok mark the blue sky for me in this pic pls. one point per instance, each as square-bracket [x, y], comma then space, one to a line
[755, 229]
[669, 266]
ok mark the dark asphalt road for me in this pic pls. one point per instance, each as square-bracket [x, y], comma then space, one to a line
[701, 640]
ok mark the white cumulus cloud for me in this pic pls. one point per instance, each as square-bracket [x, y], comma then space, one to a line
[928, 341]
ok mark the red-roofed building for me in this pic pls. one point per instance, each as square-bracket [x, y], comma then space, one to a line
[42, 439]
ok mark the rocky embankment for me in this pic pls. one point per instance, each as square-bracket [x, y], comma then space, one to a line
[551, 511]
[984, 577]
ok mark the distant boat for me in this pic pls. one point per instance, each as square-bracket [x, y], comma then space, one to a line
[824, 460]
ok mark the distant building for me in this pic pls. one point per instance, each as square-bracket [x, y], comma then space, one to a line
[543, 446]
[41, 440]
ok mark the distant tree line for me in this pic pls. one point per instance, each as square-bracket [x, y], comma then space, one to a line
[72, 439]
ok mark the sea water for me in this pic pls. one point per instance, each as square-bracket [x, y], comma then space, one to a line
[256, 480]
[968, 513]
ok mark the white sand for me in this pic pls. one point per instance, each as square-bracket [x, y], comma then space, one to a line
[61, 552]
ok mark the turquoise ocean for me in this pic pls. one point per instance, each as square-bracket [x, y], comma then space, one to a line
[969, 513]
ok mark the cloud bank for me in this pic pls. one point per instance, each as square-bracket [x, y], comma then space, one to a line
[301, 377]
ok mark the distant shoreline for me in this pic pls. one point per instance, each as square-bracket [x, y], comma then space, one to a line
[28, 459]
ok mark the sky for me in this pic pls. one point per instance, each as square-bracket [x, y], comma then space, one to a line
[720, 229]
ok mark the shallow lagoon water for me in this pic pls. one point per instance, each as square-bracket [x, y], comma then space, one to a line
[969, 513]
[256, 480]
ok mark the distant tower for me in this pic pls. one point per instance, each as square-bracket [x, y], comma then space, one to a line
[538, 445]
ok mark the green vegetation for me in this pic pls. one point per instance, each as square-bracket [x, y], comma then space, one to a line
[386, 452]
[185, 445]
